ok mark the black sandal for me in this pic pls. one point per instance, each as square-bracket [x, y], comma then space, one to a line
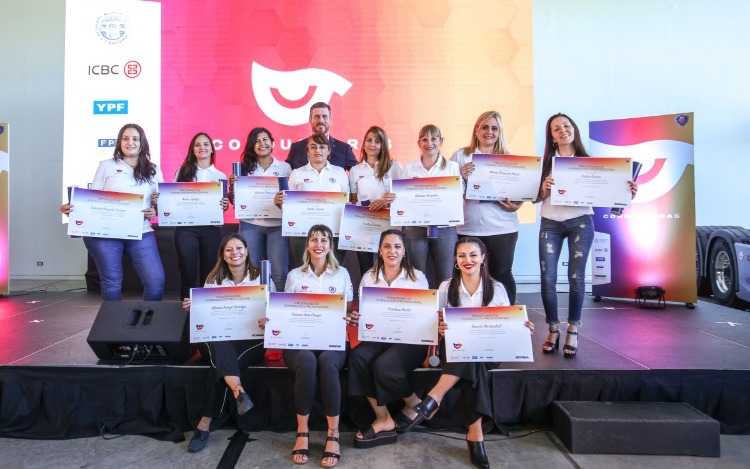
[330, 454]
[426, 409]
[305, 452]
[570, 348]
[550, 347]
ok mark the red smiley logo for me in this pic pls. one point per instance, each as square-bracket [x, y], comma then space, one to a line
[290, 223]
[243, 206]
[457, 346]
[199, 327]
[369, 326]
[400, 212]
[79, 222]
[561, 191]
[166, 214]
[275, 332]
[477, 186]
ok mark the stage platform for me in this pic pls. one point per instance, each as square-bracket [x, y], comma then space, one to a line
[53, 386]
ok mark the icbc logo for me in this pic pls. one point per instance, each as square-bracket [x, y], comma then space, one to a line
[131, 69]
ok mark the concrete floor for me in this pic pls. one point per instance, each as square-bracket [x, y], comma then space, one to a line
[415, 450]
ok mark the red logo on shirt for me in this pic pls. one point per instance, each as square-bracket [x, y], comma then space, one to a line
[457, 346]
[561, 191]
[118, 171]
[332, 180]
[308, 180]
[369, 326]
[199, 327]
[362, 176]
[400, 212]
[79, 222]
[275, 332]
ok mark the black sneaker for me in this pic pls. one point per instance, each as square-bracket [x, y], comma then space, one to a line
[198, 441]
[244, 403]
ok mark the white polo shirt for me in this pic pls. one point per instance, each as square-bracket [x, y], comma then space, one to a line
[246, 282]
[415, 169]
[402, 281]
[330, 179]
[117, 176]
[277, 169]
[363, 182]
[339, 282]
[210, 174]
[483, 218]
[499, 297]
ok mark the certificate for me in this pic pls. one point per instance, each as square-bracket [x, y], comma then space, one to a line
[309, 321]
[500, 177]
[253, 197]
[427, 201]
[304, 209]
[487, 334]
[398, 315]
[361, 228]
[227, 313]
[190, 203]
[105, 214]
[592, 182]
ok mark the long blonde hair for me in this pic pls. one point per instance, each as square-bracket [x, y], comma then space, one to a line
[433, 130]
[500, 147]
[331, 262]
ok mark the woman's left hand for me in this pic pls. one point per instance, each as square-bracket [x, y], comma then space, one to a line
[633, 188]
[262, 323]
[352, 319]
[530, 325]
[149, 213]
[224, 203]
[377, 204]
[154, 198]
[509, 206]
[441, 325]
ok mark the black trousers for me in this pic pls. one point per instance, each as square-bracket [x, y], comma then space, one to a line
[197, 248]
[227, 358]
[311, 366]
[381, 370]
[474, 384]
[502, 249]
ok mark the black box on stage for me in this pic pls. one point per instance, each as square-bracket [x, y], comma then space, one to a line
[663, 428]
[140, 330]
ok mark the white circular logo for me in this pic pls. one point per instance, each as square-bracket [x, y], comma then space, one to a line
[112, 27]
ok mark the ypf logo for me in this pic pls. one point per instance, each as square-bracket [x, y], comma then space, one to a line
[285, 97]
[112, 27]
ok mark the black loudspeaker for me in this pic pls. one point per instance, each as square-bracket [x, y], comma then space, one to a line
[140, 330]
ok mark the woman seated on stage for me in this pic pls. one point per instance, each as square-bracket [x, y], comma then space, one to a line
[470, 286]
[320, 273]
[379, 371]
[228, 358]
[130, 170]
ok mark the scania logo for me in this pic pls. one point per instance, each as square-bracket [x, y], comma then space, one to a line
[285, 96]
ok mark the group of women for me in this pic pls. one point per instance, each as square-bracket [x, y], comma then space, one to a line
[475, 270]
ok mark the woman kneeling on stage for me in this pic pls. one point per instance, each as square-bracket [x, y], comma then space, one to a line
[379, 371]
[228, 358]
[469, 286]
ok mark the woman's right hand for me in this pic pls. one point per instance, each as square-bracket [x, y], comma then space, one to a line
[441, 325]
[65, 209]
[466, 170]
[232, 179]
[186, 304]
[278, 200]
[262, 323]
[546, 189]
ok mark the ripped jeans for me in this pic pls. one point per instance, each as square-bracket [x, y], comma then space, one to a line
[580, 234]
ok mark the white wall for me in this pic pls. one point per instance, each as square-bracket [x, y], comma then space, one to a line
[593, 59]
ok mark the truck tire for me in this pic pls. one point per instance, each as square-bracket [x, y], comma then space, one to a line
[723, 272]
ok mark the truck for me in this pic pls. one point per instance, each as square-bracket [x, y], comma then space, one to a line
[722, 264]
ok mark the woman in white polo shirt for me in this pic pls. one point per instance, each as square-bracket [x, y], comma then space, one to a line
[371, 179]
[494, 222]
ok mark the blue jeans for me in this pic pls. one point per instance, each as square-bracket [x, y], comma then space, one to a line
[580, 234]
[267, 243]
[440, 249]
[144, 255]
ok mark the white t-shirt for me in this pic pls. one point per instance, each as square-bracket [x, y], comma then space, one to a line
[299, 281]
[117, 176]
[330, 179]
[499, 297]
[562, 212]
[363, 182]
[483, 218]
[277, 169]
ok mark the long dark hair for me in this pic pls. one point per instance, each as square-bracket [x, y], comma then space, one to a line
[550, 147]
[187, 170]
[488, 283]
[405, 263]
[221, 270]
[249, 157]
[144, 170]
[384, 159]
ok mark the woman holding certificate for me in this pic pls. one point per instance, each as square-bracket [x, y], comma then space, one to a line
[371, 179]
[431, 163]
[130, 170]
[494, 222]
[317, 175]
[320, 273]
[559, 222]
[470, 286]
[197, 245]
[228, 358]
[264, 234]
[379, 371]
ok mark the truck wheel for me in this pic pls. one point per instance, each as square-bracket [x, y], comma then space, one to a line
[700, 262]
[723, 272]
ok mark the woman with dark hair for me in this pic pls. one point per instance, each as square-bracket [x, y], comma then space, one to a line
[470, 286]
[431, 163]
[317, 175]
[379, 371]
[228, 358]
[371, 179]
[320, 272]
[129, 170]
[264, 234]
[494, 222]
[559, 222]
[197, 245]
